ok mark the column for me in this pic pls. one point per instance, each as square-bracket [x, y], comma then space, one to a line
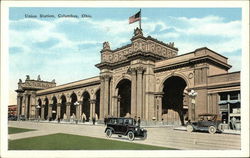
[91, 110]
[102, 99]
[93, 105]
[26, 106]
[50, 110]
[23, 105]
[68, 110]
[80, 110]
[58, 110]
[18, 105]
[106, 95]
[159, 100]
[42, 112]
[139, 91]
[118, 106]
[133, 93]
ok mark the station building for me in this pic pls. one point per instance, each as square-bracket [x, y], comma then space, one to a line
[147, 79]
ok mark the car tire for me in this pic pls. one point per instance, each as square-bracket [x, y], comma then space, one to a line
[131, 136]
[190, 128]
[211, 129]
[108, 133]
[144, 136]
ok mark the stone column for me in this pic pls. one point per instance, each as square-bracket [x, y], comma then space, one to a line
[92, 108]
[106, 95]
[115, 106]
[159, 107]
[118, 106]
[50, 110]
[133, 93]
[139, 91]
[102, 99]
[42, 112]
[68, 110]
[26, 106]
[80, 110]
[23, 106]
[18, 105]
[58, 110]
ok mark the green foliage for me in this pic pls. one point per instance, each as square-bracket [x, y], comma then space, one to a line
[13, 130]
[61, 141]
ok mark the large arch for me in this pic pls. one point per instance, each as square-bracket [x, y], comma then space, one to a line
[72, 105]
[54, 108]
[86, 105]
[46, 108]
[172, 100]
[124, 97]
[63, 106]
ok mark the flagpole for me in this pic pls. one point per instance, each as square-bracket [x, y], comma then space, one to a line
[140, 19]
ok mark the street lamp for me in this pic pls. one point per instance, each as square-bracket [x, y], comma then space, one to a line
[193, 94]
[77, 104]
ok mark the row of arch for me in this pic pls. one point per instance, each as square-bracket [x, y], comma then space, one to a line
[84, 99]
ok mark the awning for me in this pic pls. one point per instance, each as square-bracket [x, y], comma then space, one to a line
[222, 102]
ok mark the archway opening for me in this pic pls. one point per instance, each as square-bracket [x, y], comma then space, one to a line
[172, 101]
[63, 107]
[86, 106]
[21, 106]
[54, 108]
[46, 109]
[124, 97]
[72, 105]
[97, 104]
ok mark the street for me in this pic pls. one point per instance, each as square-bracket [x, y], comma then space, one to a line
[159, 136]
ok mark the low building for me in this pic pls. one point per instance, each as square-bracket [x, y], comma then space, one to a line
[12, 110]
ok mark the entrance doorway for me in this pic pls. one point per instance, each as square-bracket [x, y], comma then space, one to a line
[124, 97]
[172, 101]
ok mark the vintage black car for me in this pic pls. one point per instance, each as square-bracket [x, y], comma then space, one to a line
[124, 127]
[12, 118]
[206, 122]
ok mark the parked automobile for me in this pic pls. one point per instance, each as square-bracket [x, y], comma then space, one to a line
[12, 117]
[206, 122]
[22, 118]
[124, 127]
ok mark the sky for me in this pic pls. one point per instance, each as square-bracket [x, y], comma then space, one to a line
[67, 49]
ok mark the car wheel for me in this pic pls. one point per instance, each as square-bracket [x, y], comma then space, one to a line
[211, 129]
[109, 133]
[131, 136]
[144, 135]
[190, 128]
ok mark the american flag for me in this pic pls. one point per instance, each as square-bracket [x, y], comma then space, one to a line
[134, 18]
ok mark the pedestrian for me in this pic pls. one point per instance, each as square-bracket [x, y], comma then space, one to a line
[135, 120]
[105, 120]
[58, 119]
[93, 120]
[233, 121]
[139, 121]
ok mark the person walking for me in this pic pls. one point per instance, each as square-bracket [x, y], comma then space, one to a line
[135, 120]
[233, 121]
[139, 121]
[93, 119]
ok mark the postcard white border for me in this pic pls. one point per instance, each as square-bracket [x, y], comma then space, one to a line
[121, 153]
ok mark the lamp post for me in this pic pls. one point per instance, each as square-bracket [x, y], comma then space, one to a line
[192, 95]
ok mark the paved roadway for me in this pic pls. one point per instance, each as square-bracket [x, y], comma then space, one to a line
[158, 136]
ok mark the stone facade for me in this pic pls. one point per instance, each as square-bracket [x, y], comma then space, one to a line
[146, 79]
